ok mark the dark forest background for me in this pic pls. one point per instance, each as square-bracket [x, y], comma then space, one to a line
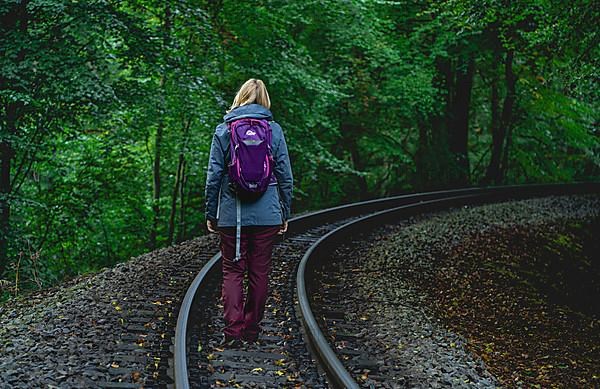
[107, 109]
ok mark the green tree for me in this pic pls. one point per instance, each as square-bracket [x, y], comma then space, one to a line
[53, 68]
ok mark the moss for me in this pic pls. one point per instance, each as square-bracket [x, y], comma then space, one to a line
[563, 240]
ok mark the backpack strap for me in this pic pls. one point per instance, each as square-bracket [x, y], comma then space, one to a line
[238, 205]
[238, 228]
[228, 148]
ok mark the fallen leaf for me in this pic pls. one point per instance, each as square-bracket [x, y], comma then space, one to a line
[135, 375]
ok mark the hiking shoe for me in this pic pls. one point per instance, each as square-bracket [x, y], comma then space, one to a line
[255, 342]
[251, 340]
[230, 342]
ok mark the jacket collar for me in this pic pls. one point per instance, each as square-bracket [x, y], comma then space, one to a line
[249, 111]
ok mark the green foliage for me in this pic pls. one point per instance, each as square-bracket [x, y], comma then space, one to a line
[85, 86]
[556, 138]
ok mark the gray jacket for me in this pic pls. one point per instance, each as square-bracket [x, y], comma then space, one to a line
[275, 204]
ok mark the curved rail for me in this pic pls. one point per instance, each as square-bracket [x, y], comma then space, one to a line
[189, 306]
[337, 374]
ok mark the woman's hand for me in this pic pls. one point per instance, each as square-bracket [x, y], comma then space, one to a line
[283, 228]
[211, 228]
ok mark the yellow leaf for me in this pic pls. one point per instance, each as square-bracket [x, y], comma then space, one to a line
[258, 369]
[279, 372]
[118, 308]
[279, 362]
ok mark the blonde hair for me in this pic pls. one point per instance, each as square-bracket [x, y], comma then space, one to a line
[252, 91]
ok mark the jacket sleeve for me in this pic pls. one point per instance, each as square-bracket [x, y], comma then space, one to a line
[285, 180]
[214, 176]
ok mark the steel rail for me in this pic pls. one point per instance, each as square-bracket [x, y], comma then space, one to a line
[337, 374]
[296, 226]
[189, 306]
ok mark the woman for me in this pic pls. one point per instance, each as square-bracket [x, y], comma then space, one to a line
[261, 220]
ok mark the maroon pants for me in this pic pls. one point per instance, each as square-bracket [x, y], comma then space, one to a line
[242, 318]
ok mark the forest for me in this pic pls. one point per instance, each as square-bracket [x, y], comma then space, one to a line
[108, 108]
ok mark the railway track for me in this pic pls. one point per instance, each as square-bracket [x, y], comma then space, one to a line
[292, 338]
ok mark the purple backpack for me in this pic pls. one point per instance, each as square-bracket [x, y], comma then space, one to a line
[252, 162]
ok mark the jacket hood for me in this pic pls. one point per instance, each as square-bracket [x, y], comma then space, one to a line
[249, 111]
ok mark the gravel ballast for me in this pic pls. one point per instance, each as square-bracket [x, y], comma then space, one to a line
[110, 329]
[115, 328]
[391, 304]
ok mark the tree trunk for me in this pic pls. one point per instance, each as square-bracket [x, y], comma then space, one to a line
[504, 162]
[507, 115]
[363, 188]
[495, 172]
[495, 125]
[159, 134]
[433, 155]
[6, 155]
[351, 134]
[421, 180]
[178, 187]
[17, 18]
[459, 130]
[156, 178]
[176, 192]
[182, 225]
